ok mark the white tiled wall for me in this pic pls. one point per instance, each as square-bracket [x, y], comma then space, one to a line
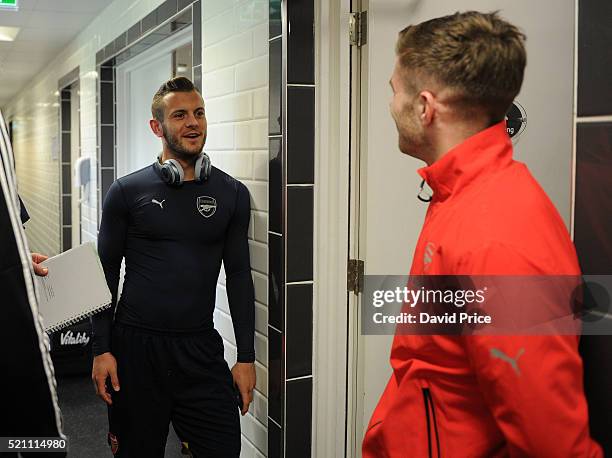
[235, 90]
[235, 82]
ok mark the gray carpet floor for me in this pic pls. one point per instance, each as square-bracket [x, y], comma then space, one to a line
[85, 420]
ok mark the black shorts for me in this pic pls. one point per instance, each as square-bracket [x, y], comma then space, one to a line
[164, 378]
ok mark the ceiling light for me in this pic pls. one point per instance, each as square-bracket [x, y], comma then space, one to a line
[181, 68]
[8, 33]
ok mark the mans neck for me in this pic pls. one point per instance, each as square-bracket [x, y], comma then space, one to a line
[188, 165]
[451, 135]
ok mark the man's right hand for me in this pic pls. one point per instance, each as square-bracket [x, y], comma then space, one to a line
[105, 366]
[39, 270]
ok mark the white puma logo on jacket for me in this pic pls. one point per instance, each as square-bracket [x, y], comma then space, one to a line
[512, 361]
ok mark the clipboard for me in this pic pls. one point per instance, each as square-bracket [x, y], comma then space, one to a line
[74, 288]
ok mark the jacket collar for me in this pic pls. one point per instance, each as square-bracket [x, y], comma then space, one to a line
[488, 150]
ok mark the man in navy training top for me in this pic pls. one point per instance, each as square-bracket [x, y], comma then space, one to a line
[158, 358]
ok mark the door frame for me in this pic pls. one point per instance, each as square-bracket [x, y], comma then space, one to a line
[70, 82]
[123, 87]
[334, 320]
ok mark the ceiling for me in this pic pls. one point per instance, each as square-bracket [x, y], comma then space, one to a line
[47, 26]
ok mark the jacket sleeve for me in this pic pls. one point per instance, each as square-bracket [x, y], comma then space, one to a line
[532, 384]
[111, 245]
[239, 283]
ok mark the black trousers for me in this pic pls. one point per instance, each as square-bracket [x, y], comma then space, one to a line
[182, 379]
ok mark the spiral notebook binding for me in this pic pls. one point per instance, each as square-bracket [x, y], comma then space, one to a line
[75, 319]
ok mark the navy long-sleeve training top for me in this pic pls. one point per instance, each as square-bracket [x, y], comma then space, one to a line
[173, 240]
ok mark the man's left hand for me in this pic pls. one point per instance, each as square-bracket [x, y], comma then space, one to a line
[244, 378]
[39, 270]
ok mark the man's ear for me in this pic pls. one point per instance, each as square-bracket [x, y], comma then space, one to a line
[156, 127]
[427, 104]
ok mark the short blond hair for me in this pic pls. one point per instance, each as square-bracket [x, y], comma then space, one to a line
[480, 56]
[177, 84]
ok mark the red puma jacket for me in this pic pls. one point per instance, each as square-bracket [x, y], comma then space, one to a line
[448, 395]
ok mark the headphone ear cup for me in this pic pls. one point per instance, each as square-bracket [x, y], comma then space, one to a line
[171, 171]
[198, 168]
[207, 166]
[174, 171]
[202, 167]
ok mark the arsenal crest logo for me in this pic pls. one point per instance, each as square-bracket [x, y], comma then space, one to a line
[207, 206]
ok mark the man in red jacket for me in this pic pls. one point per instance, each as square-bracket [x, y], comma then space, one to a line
[477, 396]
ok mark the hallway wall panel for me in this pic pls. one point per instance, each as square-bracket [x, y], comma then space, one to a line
[235, 91]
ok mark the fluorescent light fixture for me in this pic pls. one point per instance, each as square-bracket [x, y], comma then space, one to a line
[181, 68]
[8, 33]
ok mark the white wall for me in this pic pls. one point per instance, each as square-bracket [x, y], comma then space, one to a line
[235, 90]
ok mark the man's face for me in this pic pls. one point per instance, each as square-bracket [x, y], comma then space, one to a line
[404, 110]
[184, 125]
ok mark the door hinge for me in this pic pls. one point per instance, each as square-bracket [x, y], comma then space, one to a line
[354, 278]
[358, 28]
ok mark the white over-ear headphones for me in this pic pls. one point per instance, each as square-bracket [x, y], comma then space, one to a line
[173, 174]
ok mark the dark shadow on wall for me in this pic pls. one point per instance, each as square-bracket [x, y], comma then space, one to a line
[593, 239]
[593, 204]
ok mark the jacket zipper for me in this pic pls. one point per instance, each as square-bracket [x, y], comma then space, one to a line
[428, 400]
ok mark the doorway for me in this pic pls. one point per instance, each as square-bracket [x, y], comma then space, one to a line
[387, 214]
[137, 80]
